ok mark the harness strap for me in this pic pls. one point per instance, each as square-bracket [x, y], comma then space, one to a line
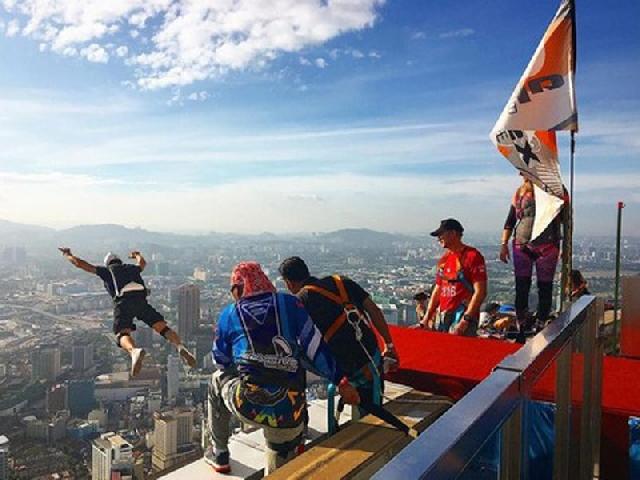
[459, 273]
[335, 326]
[342, 300]
[340, 284]
[325, 293]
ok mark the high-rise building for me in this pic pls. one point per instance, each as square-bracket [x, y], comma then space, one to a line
[4, 457]
[173, 377]
[56, 398]
[81, 397]
[188, 310]
[165, 442]
[82, 357]
[173, 431]
[111, 457]
[45, 363]
[185, 427]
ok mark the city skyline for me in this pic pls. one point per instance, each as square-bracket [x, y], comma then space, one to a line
[372, 114]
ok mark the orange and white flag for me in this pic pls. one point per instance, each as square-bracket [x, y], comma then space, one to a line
[542, 103]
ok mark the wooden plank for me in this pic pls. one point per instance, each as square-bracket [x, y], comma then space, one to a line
[363, 447]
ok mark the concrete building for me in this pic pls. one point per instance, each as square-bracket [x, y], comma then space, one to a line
[82, 357]
[173, 377]
[4, 457]
[45, 363]
[82, 397]
[173, 431]
[56, 398]
[112, 457]
[188, 310]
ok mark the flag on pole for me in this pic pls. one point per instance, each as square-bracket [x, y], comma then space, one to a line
[542, 103]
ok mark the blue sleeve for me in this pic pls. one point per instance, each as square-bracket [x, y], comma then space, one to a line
[221, 351]
[314, 352]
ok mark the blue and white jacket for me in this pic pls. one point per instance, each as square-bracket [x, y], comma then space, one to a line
[271, 340]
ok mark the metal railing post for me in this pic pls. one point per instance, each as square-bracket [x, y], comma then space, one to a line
[589, 334]
[510, 447]
[563, 414]
[596, 410]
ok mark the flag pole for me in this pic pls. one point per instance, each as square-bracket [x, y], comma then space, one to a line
[567, 242]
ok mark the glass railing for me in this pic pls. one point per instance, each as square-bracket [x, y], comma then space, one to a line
[499, 409]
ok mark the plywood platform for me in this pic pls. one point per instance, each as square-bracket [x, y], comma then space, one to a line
[363, 447]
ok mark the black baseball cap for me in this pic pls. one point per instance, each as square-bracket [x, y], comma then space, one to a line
[448, 224]
[421, 295]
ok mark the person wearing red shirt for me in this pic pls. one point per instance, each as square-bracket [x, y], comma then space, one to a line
[461, 283]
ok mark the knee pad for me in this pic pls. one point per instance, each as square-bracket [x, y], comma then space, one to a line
[164, 331]
[119, 337]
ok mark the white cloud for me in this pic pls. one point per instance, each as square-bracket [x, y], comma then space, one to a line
[463, 32]
[419, 36]
[374, 54]
[199, 96]
[320, 62]
[304, 61]
[13, 28]
[190, 40]
[95, 53]
[122, 51]
[355, 53]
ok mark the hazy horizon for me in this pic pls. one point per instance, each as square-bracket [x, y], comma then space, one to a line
[302, 117]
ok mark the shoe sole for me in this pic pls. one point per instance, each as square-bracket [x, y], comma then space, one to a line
[138, 365]
[188, 358]
[218, 468]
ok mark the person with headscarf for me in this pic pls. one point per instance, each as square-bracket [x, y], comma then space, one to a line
[123, 281]
[264, 341]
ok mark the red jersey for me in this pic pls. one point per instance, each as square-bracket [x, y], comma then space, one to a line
[455, 275]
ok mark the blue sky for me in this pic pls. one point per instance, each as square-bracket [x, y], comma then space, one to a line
[292, 116]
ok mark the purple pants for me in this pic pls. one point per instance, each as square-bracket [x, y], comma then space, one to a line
[545, 258]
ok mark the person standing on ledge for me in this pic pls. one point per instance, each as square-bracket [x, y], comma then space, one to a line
[125, 285]
[461, 283]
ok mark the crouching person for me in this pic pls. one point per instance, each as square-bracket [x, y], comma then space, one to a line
[263, 342]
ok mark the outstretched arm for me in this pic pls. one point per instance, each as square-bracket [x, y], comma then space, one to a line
[137, 256]
[77, 262]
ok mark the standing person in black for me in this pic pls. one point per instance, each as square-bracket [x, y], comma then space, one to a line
[125, 285]
[339, 307]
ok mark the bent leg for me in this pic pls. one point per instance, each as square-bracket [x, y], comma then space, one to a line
[167, 332]
[281, 445]
[218, 415]
[125, 340]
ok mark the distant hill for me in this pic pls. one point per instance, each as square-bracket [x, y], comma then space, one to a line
[361, 236]
[21, 229]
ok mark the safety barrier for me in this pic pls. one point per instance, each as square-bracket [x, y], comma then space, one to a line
[499, 404]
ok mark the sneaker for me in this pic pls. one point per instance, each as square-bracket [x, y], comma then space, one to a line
[187, 357]
[219, 462]
[137, 355]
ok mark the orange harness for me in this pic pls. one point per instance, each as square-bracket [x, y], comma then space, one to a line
[350, 311]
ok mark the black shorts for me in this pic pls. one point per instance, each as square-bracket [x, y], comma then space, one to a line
[130, 306]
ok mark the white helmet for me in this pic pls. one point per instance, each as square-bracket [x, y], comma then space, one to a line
[110, 257]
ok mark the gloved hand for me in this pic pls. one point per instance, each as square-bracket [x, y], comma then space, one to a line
[390, 360]
[348, 392]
